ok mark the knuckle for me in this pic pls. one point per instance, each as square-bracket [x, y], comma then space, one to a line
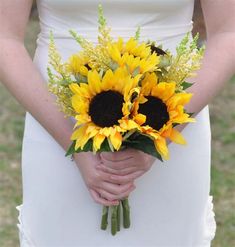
[111, 197]
[126, 186]
[120, 190]
[123, 189]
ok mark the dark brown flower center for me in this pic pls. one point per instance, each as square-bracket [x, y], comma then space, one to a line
[87, 66]
[105, 108]
[155, 111]
[158, 50]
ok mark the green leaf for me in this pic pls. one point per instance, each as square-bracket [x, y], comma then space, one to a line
[165, 61]
[101, 20]
[136, 71]
[190, 113]
[80, 79]
[144, 144]
[105, 147]
[113, 65]
[186, 85]
[87, 148]
[71, 149]
[137, 33]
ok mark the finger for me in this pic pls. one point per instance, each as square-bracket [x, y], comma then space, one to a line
[98, 199]
[104, 177]
[120, 165]
[115, 189]
[111, 197]
[127, 178]
[118, 156]
[110, 170]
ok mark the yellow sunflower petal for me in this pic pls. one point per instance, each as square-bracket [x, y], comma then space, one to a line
[140, 118]
[82, 118]
[80, 143]
[120, 79]
[149, 82]
[116, 140]
[106, 131]
[74, 88]
[94, 82]
[107, 81]
[120, 44]
[97, 141]
[179, 99]
[78, 133]
[164, 90]
[161, 146]
[79, 105]
[127, 124]
[114, 53]
[177, 137]
[80, 136]
[83, 70]
[130, 44]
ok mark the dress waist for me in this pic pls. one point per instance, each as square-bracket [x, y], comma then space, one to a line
[156, 33]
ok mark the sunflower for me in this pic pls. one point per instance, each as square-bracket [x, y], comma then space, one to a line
[163, 109]
[78, 64]
[134, 56]
[132, 47]
[103, 106]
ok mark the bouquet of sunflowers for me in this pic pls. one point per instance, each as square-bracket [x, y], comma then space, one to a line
[123, 95]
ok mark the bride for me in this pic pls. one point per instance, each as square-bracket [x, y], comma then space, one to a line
[62, 199]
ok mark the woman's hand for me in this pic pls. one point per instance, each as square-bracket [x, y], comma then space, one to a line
[126, 165]
[103, 189]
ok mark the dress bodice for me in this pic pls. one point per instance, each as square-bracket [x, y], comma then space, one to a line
[158, 19]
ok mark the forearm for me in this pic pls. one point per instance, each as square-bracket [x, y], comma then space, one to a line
[23, 80]
[217, 68]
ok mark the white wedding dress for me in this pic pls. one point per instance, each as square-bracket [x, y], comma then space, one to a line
[171, 206]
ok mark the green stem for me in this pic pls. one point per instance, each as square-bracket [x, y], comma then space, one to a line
[118, 216]
[104, 220]
[114, 220]
[126, 213]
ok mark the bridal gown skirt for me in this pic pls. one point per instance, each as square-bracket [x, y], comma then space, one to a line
[171, 206]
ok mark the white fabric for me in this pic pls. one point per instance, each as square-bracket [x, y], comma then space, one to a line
[171, 206]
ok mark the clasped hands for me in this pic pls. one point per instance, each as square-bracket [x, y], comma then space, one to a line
[109, 176]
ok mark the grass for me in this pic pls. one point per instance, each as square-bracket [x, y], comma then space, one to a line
[11, 133]
[223, 169]
[223, 156]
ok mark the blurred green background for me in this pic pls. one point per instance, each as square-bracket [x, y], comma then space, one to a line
[222, 115]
